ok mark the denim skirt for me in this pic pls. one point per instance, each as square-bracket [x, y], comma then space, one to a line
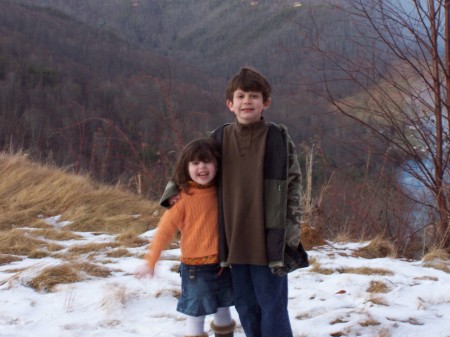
[204, 288]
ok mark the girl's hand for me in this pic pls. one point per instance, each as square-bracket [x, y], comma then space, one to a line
[144, 271]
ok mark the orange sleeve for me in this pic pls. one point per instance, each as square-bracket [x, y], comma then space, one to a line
[167, 228]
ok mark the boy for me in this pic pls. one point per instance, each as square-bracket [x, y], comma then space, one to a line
[259, 206]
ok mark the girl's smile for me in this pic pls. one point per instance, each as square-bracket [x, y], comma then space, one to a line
[202, 172]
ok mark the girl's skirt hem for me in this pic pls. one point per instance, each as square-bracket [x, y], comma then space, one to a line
[204, 288]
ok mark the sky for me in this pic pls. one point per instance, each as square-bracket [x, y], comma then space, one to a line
[416, 302]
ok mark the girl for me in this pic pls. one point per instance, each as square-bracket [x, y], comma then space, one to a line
[206, 287]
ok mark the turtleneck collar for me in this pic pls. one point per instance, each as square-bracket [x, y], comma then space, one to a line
[200, 186]
[251, 126]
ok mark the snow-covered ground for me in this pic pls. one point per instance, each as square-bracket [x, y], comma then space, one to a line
[330, 298]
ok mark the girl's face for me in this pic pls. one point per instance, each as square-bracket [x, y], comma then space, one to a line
[202, 172]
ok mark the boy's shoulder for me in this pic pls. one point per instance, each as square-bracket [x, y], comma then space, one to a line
[281, 127]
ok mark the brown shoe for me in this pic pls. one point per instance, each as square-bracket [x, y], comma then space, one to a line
[202, 335]
[223, 331]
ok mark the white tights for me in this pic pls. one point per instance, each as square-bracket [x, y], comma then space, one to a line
[195, 325]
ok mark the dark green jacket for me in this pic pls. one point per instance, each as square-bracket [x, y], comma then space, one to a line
[282, 181]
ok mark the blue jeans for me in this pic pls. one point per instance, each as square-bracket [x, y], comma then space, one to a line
[261, 300]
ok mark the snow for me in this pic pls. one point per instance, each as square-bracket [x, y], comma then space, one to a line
[335, 303]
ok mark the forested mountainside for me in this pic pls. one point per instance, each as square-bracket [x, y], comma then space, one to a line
[221, 36]
[115, 88]
[84, 97]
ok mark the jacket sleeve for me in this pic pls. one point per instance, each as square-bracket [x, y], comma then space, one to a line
[171, 190]
[293, 202]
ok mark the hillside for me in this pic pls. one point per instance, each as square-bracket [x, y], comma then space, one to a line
[221, 36]
[31, 192]
[115, 88]
[84, 97]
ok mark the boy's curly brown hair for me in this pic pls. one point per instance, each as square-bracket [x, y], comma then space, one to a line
[249, 79]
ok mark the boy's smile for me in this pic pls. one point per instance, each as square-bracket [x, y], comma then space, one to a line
[247, 106]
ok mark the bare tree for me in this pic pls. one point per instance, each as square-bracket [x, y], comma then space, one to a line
[399, 62]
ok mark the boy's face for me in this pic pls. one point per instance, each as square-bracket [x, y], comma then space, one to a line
[247, 106]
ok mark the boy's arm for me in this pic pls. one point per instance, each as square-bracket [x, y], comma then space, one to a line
[170, 191]
[293, 202]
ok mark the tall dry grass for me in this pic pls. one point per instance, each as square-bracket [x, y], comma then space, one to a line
[29, 190]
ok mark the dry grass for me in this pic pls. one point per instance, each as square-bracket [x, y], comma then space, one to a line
[436, 254]
[92, 247]
[118, 253]
[311, 237]
[130, 238]
[39, 223]
[56, 234]
[7, 259]
[19, 242]
[343, 237]
[365, 271]
[29, 190]
[66, 273]
[92, 269]
[378, 301]
[377, 287]
[437, 259]
[369, 321]
[52, 276]
[317, 268]
[173, 292]
[377, 248]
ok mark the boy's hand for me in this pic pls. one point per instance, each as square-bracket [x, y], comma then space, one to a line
[278, 270]
[144, 271]
[173, 200]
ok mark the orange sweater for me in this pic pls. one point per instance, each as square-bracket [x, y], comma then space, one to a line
[195, 216]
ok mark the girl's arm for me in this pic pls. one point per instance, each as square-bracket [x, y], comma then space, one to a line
[167, 228]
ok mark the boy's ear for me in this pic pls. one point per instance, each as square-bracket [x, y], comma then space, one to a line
[267, 103]
[230, 105]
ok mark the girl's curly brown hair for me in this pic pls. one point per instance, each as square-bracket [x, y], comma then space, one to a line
[202, 149]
